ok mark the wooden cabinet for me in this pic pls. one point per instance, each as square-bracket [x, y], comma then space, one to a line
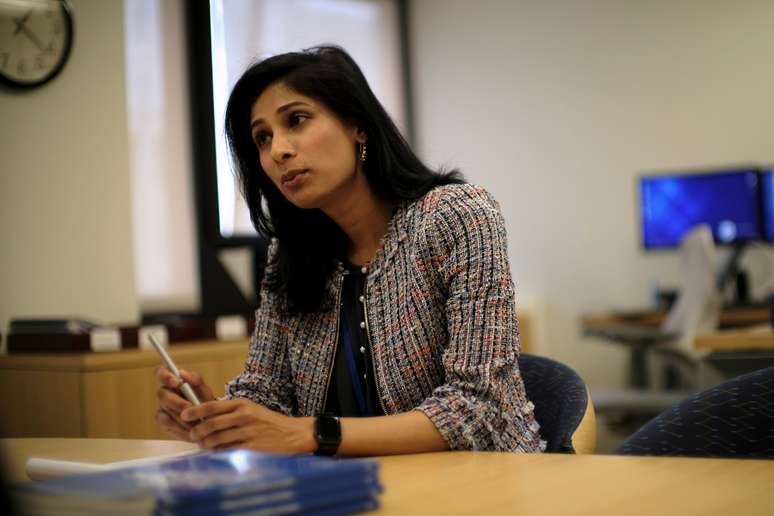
[101, 394]
[110, 395]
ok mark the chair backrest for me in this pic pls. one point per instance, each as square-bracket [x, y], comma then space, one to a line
[562, 404]
[733, 419]
[697, 309]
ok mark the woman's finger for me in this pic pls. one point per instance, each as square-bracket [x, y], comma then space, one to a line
[192, 377]
[213, 425]
[172, 426]
[211, 409]
[196, 381]
[230, 438]
[166, 378]
[176, 416]
[171, 401]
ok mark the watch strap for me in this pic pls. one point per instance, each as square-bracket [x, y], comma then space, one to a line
[327, 433]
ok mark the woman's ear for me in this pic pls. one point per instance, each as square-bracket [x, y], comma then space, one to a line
[360, 135]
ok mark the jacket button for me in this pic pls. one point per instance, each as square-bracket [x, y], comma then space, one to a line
[362, 324]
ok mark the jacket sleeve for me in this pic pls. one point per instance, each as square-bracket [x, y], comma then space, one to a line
[266, 378]
[482, 405]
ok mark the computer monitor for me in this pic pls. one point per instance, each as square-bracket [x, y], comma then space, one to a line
[767, 197]
[729, 201]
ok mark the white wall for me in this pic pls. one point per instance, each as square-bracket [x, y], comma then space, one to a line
[556, 107]
[65, 212]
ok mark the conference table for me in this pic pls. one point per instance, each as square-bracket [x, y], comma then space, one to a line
[500, 483]
[741, 329]
[743, 342]
[755, 338]
[739, 318]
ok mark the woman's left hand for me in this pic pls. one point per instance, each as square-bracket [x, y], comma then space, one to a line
[240, 423]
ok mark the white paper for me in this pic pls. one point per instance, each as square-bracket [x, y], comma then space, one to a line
[105, 339]
[157, 330]
[230, 327]
[41, 469]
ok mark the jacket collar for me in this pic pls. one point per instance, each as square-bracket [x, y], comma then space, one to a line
[395, 234]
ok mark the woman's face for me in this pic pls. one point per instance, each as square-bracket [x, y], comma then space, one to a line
[305, 149]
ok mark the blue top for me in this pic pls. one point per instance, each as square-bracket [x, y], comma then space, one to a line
[352, 391]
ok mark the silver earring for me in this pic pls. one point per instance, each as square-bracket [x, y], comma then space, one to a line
[362, 155]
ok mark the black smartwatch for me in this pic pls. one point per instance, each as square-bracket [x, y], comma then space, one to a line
[327, 433]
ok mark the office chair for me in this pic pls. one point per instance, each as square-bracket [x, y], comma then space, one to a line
[563, 406]
[697, 310]
[733, 419]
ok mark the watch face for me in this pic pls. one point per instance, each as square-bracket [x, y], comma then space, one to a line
[35, 40]
[328, 429]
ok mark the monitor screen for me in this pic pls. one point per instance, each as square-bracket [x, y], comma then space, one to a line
[727, 201]
[767, 194]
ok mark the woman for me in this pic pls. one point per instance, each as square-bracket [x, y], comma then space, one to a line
[387, 291]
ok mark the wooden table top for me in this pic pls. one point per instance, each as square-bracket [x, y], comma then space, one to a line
[741, 328]
[125, 359]
[759, 337]
[505, 483]
[729, 318]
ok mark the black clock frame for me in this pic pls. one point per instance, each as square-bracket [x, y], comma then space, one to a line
[64, 5]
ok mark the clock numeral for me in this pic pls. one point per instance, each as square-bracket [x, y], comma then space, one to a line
[4, 59]
[39, 63]
[21, 68]
[57, 28]
[49, 48]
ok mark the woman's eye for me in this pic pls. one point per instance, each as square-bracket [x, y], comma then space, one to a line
[297, 118]
[261, 139]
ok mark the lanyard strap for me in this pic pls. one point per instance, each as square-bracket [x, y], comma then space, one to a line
[357, 385]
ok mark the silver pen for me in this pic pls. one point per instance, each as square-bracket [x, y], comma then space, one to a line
[186, 389]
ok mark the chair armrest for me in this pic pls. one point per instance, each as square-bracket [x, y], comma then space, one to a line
[584, 439]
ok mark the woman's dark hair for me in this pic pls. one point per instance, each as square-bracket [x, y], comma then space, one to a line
[309, 241]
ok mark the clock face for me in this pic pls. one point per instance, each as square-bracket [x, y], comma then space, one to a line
[35, 40]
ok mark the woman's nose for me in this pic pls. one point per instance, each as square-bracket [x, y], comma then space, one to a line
[281, 149]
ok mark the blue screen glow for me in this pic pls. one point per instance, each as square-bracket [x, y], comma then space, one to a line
[767, 187]
[726, 201]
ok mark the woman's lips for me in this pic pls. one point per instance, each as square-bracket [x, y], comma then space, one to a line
[294, 179]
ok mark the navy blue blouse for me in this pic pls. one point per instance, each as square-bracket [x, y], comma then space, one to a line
[352, 391]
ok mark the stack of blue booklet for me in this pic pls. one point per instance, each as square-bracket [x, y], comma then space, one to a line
[213, 483]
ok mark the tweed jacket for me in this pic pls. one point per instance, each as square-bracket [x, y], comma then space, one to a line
[441, 323]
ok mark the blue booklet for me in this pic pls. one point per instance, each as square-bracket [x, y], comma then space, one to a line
[319, 496]
[218, 482]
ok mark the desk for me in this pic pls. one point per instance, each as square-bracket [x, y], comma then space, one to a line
[729, 318]
[506, 483]
[733, 337]
[110, 394]
[759, 337]
[101, 394]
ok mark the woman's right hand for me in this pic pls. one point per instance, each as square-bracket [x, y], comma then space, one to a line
[172, 402]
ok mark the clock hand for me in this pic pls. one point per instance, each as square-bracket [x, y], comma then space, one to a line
[21, 21]
[31, 35]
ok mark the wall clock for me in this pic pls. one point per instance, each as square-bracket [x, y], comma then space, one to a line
[35, 40]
